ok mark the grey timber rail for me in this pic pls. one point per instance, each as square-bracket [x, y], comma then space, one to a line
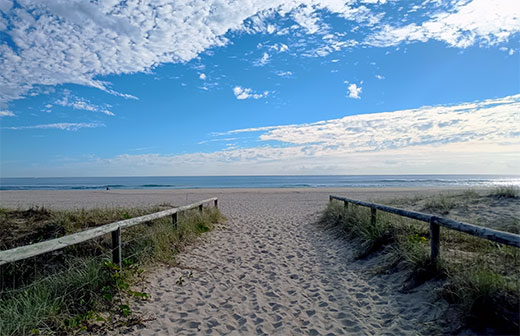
[24, 252]
[435, 222]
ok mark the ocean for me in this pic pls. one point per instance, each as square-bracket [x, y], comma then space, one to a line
[295, 181]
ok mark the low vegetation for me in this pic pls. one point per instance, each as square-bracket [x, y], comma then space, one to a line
[78, 288]
[480, 277]
[505, 192]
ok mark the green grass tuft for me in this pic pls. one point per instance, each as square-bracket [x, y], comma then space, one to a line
[355, 221]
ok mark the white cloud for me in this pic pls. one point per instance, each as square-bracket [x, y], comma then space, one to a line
[263, 60]
[271, 28]
[60, 126]
[5, 5]
[202, 76]
[380, 77]
[477, 137]
[119, 94]
[374, 1]
[81, 104]
[284, 73]
[353, 90]
[478, 21]
[6, 113]
[79, 42]
[215, 140]
[494, 120]
[280, 47]
[245, 93]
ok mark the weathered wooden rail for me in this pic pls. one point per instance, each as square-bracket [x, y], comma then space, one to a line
[24, 252]
[435, 222]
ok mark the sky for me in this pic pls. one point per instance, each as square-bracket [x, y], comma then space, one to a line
[247, 87]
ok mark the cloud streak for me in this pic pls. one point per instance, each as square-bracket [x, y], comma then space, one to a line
[475, 137]
[81, 104]
[59, 126]
[6, 113]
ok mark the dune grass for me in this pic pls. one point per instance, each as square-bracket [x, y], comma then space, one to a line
[481, 277]
[79, 288]
[441, 203]
[505, 192]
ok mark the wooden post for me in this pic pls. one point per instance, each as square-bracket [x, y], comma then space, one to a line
[345, 205]
[216, 203]
[174, 220]
[116, 247]
[330, 198]
[200, 208]
[373, 216]
[435, 234]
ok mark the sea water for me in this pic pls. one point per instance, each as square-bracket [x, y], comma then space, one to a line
[293, 181]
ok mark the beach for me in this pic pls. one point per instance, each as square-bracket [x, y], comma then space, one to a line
[88, 199]
[270, 269]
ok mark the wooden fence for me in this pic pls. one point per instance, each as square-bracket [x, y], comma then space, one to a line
[24, 252]
[435, 222]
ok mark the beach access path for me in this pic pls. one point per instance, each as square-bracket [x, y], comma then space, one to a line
[270, 269]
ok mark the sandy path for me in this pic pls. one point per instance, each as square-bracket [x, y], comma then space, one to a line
[271, 270]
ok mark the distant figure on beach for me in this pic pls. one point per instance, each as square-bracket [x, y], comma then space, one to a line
[108, 188]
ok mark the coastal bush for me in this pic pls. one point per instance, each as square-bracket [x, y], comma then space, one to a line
[74, 287]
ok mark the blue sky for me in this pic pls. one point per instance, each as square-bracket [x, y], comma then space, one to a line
[259, 87]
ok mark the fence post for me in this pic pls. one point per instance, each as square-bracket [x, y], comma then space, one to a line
[373, 216]
[330, 198]
[345, 205]
[200, 208]
[174, 220]
[435, 239]
[216, 203]
[116, 247]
